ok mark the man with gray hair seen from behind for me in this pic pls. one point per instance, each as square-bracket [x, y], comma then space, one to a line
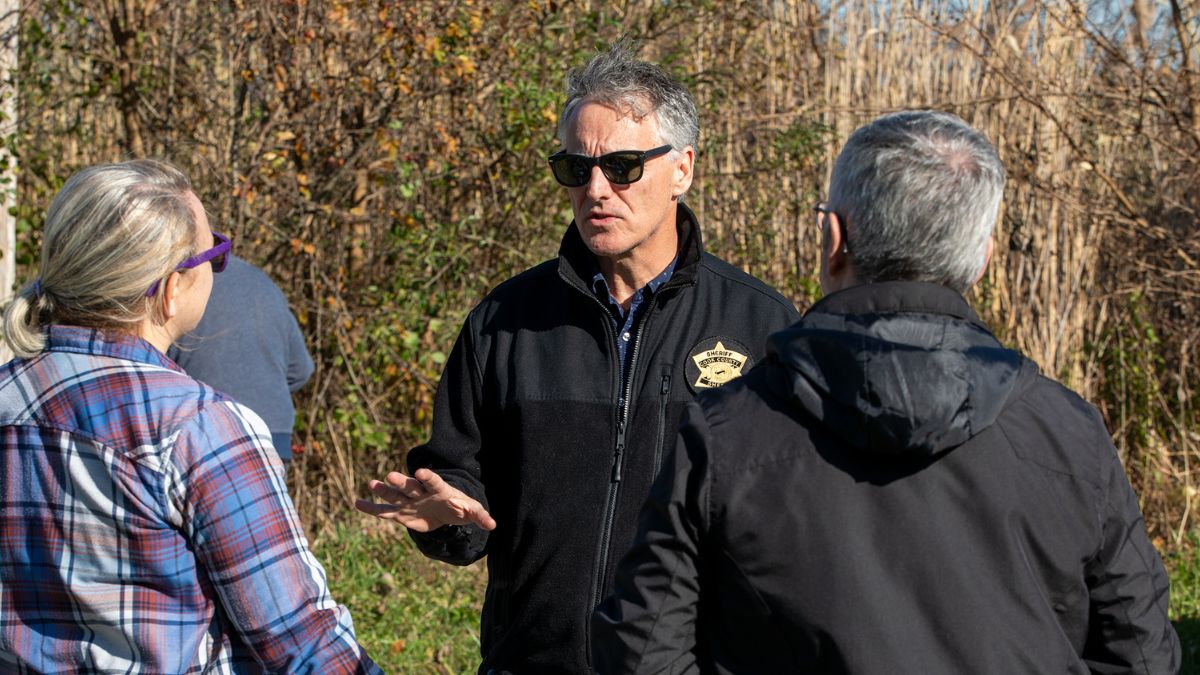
[893, 490]
[568, 381]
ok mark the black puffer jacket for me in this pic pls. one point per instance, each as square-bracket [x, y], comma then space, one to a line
[892, 491]
[527, 420]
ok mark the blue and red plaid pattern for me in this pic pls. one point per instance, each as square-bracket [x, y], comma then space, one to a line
[145, 526]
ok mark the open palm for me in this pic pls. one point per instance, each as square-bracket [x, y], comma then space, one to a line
[423, 502]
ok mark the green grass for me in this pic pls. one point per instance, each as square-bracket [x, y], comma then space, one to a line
[1184, 568]
[411, 614]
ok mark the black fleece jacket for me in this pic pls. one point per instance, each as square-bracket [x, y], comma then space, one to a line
[891, 491]
[527, 420]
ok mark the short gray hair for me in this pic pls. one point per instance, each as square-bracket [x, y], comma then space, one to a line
[614, 77]
[110, 233]
[920, 191]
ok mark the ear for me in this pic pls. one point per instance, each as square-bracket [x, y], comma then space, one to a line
[836, 252]
[987, 259]
[684, 165]
[170, 296]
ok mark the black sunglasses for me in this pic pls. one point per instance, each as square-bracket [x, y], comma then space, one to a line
[621, 167]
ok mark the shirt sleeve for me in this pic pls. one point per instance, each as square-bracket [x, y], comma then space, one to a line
[453, 452]
[650, 623]
[235, 511]
[299, 363]
[1128, 627]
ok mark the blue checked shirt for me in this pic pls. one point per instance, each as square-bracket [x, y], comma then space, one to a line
[624, 322]
[145, 526]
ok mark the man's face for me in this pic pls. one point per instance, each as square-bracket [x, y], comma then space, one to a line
[614, 220]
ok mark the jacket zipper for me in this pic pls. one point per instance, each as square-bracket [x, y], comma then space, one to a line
[618, 448]
[610, 506]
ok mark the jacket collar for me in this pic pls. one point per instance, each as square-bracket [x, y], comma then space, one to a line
[576, 263]
[895, 297]
[114, 344]
[897, 368]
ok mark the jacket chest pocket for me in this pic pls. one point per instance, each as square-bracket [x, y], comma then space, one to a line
[663, 398]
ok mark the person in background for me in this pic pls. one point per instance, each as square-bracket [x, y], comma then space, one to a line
[144, 522]
[893, 490]
[567, 381]
[249, 346]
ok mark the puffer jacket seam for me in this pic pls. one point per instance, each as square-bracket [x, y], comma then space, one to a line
[1000, 426]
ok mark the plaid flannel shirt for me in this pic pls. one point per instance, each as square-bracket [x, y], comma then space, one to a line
[145, 526]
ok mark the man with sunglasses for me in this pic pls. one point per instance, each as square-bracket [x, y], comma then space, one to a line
[568, 381]
[893, 491]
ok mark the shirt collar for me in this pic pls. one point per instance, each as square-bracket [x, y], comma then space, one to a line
[600, 284]
[114, 344]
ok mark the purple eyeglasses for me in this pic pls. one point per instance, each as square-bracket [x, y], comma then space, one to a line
[218, 254]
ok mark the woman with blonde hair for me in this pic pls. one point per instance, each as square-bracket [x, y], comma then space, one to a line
[144, 523]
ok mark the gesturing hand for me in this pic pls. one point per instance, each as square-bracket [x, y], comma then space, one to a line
[423, 502]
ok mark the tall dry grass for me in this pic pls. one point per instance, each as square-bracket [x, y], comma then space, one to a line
[385, 161]
[1094, 109]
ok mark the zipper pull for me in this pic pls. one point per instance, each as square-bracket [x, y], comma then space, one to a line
[618, 458]
[666, 384]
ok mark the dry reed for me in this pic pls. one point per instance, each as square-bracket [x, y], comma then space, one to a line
[399, 147]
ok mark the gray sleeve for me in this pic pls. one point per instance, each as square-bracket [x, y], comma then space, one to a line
[650, 622]
[299, 364]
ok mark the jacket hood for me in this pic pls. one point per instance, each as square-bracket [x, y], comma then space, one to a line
[897, 368]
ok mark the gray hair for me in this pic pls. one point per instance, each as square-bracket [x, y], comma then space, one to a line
[110, 233]
[920, 191]
[616, 78]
